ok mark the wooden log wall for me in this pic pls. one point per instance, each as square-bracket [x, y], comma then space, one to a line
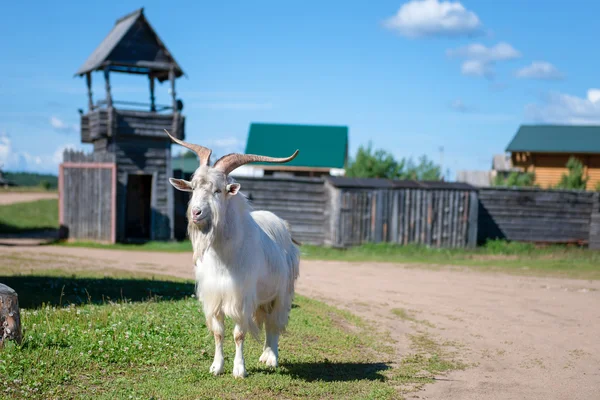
[86, 196]
[149, 124]
[595, 224]
[433, 217]
[300, 201]
[534, 215]
[146, 156]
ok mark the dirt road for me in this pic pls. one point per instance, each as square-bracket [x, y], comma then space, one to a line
[21, 197]
[523, 337]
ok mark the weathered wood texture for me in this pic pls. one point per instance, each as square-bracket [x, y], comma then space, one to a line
[532, 215]
[595, 224]
[111, 122]
[86, 196]
[428, 216]
[146, 156]
[10, 317]
[299, 201]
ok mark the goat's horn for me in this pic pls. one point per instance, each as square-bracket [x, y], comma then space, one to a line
[202, 152]
[230, 162]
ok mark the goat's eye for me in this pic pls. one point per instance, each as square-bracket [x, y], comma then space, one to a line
[218, 191]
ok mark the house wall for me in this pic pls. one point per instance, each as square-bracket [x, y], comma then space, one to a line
[549, 168]
[139, 155]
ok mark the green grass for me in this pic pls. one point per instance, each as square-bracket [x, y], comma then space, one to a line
[122, 336]
[498, 255]
[167, 247]
[512, 257]
[29, 216]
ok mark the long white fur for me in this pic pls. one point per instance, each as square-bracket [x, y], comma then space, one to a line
[246, 265]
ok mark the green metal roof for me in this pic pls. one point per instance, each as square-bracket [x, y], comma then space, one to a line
[556, 139]
[320, 146]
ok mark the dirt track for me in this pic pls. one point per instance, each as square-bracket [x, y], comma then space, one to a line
[524, 337]
[21, 197]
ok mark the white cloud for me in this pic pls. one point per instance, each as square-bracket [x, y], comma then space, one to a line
[563, 108]
[477, 68]
[459, 106]
[14, 160]
[540, 70]
[430, 18]
[477, 51]
[480, 60]
[60, 126]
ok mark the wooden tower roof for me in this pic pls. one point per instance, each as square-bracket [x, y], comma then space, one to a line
[132, 46]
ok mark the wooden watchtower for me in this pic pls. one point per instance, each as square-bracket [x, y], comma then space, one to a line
[132, 134]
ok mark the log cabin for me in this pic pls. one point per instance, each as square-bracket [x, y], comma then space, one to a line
[546, 149]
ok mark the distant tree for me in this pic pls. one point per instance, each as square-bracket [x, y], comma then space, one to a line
[425, 170]
[44, 184]
[516, 179]
[574, 179]
[374, 164]
[380, 163]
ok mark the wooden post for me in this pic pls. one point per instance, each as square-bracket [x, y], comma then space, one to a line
[473, 219]
[10, 318]
[88, 81]
[107, 85]
[152, 98]
[173, 94]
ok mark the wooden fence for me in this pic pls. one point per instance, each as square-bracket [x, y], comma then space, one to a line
[403, 212]
[535, 215]
[595, 224]
[87, 196]
[300, 201]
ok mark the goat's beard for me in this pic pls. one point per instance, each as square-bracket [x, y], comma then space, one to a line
[202, 235]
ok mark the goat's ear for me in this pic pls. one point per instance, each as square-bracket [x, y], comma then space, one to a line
[233, 188]
[181, 184]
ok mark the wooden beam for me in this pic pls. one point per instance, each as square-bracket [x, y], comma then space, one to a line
[88, 81]
[107, 85]
[152, 98]
[173, 94]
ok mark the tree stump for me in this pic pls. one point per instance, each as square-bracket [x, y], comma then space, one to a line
[10, 318]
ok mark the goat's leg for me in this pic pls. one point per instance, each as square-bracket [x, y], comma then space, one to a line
[239, 368]
[270, 353]
[218, 328]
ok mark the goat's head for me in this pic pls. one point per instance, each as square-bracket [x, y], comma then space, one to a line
[211, 186]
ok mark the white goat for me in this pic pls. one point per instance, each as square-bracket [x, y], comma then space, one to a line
[246, 262]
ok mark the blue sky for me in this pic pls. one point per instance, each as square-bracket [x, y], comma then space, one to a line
[410, 76]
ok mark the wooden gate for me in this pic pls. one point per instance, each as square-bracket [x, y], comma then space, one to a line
[87, 198]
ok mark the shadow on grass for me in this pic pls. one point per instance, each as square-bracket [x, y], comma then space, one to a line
[35, 291]
[328, 371]
[17, 231]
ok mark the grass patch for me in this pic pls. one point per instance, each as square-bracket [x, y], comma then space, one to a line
[166, 247]
[512, 257]
[114, 338]
[498, 255]
[29, 216]
[407, 316]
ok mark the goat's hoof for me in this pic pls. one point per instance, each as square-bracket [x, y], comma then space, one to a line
[269, 358]
[217, 368]
[239, 371]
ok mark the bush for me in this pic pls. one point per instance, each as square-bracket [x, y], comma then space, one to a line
[574, 179]
[518, 179]
[44, 184]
